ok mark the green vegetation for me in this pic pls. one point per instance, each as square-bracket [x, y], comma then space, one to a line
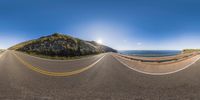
[60, 45]
[1, 50]
[191, 50]
[58, 57]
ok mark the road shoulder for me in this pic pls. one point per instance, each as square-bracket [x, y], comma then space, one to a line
[161, 69]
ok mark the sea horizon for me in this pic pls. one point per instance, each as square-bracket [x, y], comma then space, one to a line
[150, 53]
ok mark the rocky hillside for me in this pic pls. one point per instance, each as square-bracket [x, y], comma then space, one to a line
[61, 45]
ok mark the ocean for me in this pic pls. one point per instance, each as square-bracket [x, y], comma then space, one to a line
[151, 53]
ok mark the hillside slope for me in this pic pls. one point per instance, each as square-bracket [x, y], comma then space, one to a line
[61, 45]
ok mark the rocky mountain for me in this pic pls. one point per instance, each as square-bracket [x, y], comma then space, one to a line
[61, 45]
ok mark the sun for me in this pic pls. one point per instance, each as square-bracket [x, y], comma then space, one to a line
[99, 41]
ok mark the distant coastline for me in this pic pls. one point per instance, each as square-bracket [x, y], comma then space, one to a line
[160, 56]
[151, 53]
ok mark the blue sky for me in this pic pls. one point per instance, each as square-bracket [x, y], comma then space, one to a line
[121, 24]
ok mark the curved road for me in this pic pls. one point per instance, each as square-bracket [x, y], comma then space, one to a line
[107, 79]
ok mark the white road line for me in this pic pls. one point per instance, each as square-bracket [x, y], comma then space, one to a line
[156, 73]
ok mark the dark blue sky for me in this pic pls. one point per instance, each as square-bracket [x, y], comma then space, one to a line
[121, 24]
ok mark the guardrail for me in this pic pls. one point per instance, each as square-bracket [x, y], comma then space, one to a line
[163, 59]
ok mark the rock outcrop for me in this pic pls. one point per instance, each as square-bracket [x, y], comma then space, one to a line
[61, 45]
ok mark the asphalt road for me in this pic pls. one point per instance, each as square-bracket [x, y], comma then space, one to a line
[107, 79]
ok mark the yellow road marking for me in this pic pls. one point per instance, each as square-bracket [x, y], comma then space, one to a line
[56, 73]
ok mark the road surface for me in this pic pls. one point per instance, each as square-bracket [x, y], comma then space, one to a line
[107, 79]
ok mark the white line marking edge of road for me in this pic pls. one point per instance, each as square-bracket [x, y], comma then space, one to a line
[166, 73]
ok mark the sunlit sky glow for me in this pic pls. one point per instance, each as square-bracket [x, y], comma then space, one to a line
[121, 24]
